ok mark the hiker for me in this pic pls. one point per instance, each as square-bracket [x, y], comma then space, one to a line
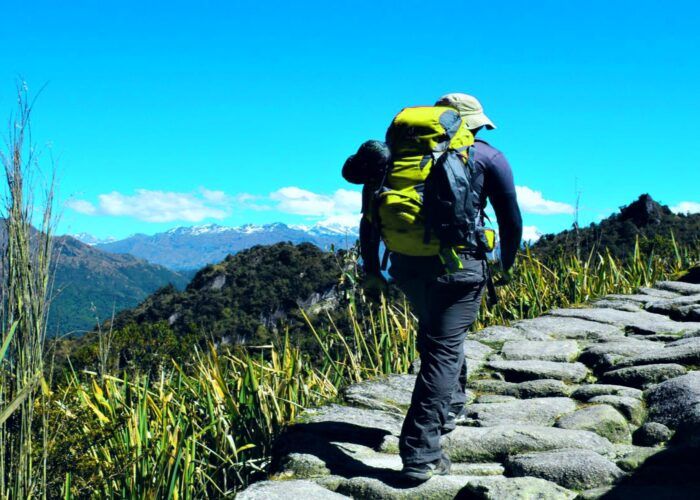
[443, 277]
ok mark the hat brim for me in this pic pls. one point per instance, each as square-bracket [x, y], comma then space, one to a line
[478, 120]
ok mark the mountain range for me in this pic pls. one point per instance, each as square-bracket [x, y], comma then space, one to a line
[191, 248]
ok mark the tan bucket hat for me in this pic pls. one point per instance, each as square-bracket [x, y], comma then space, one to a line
[470, 109]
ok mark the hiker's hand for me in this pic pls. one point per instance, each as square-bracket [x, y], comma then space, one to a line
[503, 277]
[374, 285]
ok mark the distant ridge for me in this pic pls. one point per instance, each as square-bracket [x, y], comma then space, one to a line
[187, 248]
[644, 218]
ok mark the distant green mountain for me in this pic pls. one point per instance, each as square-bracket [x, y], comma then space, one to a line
[240, 299]
[90, 284]
[645, 220]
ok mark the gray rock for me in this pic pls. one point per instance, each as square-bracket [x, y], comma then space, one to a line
[588, 391]
[392, 393]
[667, 306]
[641, 298]
[495, 336]
[493, 386]
[544, 388]
[576, 469]
[604, 420]
[651, 434]
[622, 305]
[632, 408]
[678, 287]
[538, 411]
[687, 353]
[639, 322]
[628, 457]
[553, 350]
[494, 398]
[520, 371]
[643, 376]
[335, 420]
[284, 490]
[676, 401]
[567, 328]
[489, 469]
[517, 488]
[603, 356]
[475, 354]
[655, 292]
[391, 488]
[494, 444]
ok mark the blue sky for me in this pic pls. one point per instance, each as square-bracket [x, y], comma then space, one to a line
[178, 113]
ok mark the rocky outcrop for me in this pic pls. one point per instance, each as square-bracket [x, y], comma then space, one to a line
[597, 402]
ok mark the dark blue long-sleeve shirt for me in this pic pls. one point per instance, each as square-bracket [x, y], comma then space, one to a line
[493, 182]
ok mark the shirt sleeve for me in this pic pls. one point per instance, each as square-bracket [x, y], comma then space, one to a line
[369, 236]
[501, 193]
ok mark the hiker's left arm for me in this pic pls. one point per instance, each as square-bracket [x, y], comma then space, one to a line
[501, 194]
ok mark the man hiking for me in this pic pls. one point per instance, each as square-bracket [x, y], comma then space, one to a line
[442, 269]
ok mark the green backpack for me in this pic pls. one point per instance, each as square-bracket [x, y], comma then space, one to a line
[420, 214]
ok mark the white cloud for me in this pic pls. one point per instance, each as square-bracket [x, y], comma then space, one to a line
[531, 234]
[82, 206]
[159, 206]
[687, 207]
[533, 202]
[343, 205]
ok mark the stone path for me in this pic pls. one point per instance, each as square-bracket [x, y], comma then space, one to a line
[594, 402]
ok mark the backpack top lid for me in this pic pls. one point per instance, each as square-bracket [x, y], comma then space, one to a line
[422, 130]
[369, 164]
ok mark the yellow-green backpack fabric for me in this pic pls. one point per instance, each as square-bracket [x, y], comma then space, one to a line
[417, 137]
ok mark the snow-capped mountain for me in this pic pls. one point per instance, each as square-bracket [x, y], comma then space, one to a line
[194, 247]
[91, 240]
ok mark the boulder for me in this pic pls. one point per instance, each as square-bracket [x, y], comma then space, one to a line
[494, 444]
[604, 420]
[575, 469]
[495, 336]
[643, 376]
[537, 411]
[603, 356]
[629, 457]
[651, 434]
[393, 488]
[553, 350]
[519, 371]
[676, 402]
[284, 490]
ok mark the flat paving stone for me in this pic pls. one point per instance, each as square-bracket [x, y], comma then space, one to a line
[553, 350]
[285, 490]
[588, 391]
[639, 322]
[519, 371]
[517, 488]
[645, 375]
[567, 328]
[392, 393]
[495, 336]
[678, 287]
[631, 408]
[494, 444]
[575, 469]
[537, 411]
[544, 388]
[392, 488]
[493, 386]
[602, 419]
[655, 292]
[686, 353]
[605, 355]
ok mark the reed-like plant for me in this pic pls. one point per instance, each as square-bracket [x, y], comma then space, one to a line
[25, 270]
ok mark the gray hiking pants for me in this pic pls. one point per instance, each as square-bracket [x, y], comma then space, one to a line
[446, 305]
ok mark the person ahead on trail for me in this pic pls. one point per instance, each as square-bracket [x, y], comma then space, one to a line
[425, 198]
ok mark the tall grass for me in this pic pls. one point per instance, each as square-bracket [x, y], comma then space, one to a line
[23, 309]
